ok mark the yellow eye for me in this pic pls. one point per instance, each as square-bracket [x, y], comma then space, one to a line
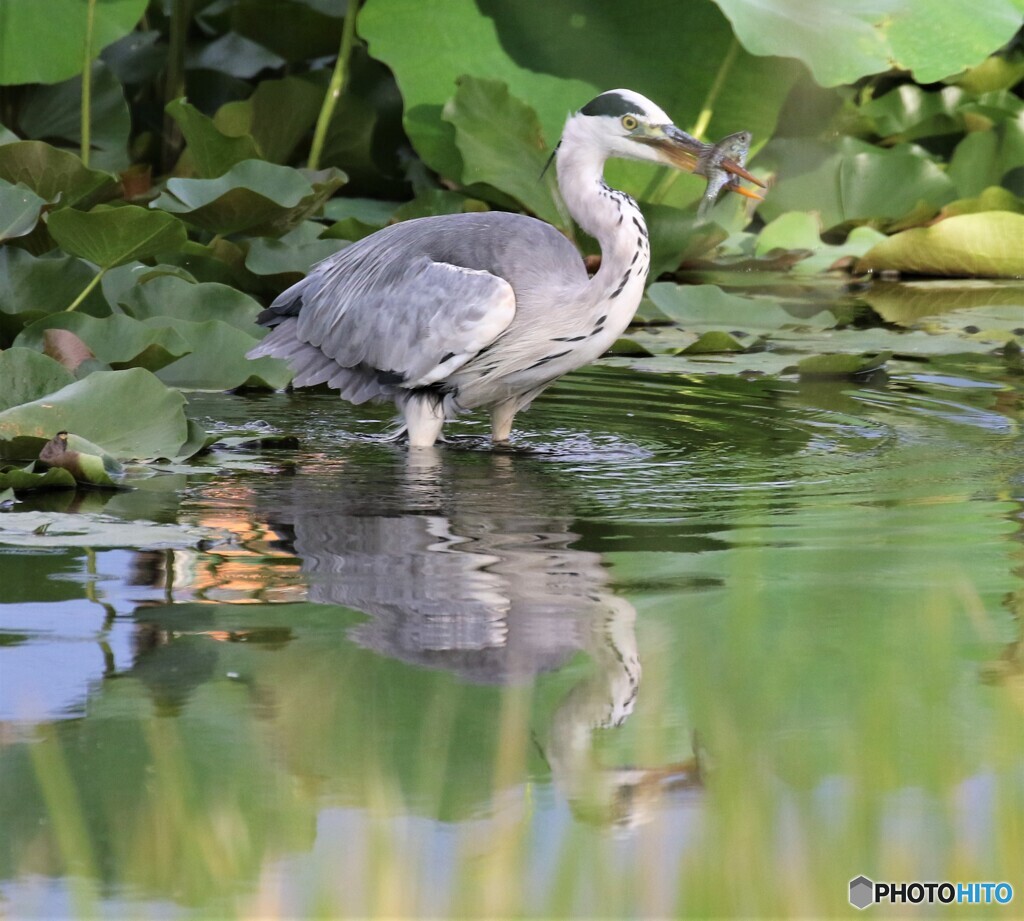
[629, 123]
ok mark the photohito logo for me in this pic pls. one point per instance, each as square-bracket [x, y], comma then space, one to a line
[865, 892]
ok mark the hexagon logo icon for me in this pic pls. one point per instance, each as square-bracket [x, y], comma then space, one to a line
[862, 892]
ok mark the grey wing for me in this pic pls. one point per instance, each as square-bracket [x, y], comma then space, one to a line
[378, 325]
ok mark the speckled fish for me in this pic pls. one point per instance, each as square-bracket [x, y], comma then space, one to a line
[732, 147]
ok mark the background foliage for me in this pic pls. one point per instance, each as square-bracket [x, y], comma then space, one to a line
[168, 166]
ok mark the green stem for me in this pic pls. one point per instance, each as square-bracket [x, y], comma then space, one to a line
[76, 303]
[90, 19]
[174, 87]
[334, 88]
[669, 177]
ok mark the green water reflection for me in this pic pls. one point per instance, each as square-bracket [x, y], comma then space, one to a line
[690, 647]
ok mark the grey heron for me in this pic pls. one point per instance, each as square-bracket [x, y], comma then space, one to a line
[458, 312]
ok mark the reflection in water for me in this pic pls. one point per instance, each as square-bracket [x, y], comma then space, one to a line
[482, 582]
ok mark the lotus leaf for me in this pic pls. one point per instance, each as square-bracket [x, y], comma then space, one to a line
[56, 529]
[843, 41]
[989, 244]
[111, 235]
[253, 196]
[20, 208]
[120, 341]
[43, 42]
[166, 297]
[129, 413]
[54, 175]
[27, 375]
[213, 152]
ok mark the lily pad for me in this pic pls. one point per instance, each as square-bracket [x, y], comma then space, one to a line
[113, 235]
[990, 244]
[55, 529]
[26, 375]
[253, 196]
[120, 341]
[129, 413]
[27, 479]
[841, 365]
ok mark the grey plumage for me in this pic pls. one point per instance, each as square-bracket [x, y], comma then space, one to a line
[452, 313]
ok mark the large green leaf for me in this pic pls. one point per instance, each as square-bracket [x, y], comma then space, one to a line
[852, 181]
[217, 360]
[278, 116]
[119, 340]
[44, 42]
[213, 152]
[989, 244]
[112, 235]
[844, 40]
[32, 287]
[988, 158]
[54, 113]
[555, 56]
[501, 143]
[54, 174]
[168, 296]
[130, 414]
[20, 208]
[253, 196]
[27, 375]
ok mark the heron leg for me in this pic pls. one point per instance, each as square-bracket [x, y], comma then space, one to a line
[501, 420]
[424, 417]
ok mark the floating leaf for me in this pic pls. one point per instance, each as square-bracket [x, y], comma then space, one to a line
[43, 42]
[990, 244]
[55, 529]
[26, 479]
[119, 341]
[20, 208]
[713, 341]
[212, 151]
[26, 375]
[112, 235]
[253, 196]
[87, 468]
[841, 365]
[54, 175]
[129, 413]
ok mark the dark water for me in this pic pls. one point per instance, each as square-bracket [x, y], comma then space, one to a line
[688, 647]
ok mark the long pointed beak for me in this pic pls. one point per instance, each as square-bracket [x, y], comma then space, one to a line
[684, 151]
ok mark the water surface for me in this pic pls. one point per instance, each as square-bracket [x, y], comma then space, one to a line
[688, 646]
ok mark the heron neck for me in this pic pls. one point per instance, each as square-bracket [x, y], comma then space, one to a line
[608, 215]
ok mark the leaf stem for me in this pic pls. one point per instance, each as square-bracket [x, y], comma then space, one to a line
[334, 88]
[703, 119]
[90, 19]
[86, 291]
[174, 85]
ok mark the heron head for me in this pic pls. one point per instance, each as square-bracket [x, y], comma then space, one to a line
[629, 125]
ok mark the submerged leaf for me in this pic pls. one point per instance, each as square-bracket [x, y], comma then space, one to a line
[841, 365]
[990, 244]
